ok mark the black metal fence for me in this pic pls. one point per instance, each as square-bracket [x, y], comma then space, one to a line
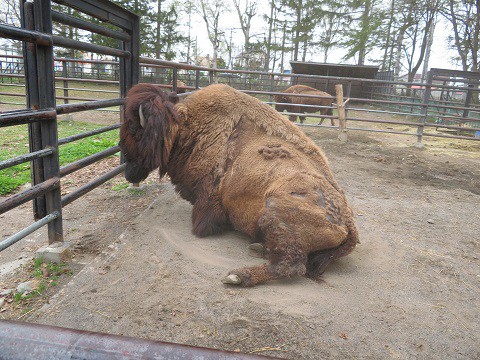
[451, 106]
[41, 110]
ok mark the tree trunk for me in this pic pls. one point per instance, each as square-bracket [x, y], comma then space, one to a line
[296, 39]
[387, 42]
[428, 50]
[268, 45]
[157, 38]
[362, 52]
[283, 46]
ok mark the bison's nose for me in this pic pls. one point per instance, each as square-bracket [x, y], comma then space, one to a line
[135, 173]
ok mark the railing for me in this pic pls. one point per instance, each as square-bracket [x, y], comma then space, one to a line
[424, 113]
[447, 107]
[41, 110]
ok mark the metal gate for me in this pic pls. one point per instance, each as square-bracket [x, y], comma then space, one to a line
[35, 32]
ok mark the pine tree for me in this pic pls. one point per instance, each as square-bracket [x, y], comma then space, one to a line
[331, 20]
[363, 33]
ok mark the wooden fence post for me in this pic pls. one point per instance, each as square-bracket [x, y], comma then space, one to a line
[342, 122]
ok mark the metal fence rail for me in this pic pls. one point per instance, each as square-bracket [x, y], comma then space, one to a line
[443, 111]
[41, 110]
[20, 340]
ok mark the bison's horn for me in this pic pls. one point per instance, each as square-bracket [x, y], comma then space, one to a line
[142, 118]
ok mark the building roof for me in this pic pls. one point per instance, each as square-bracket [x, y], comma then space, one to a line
[340, 70]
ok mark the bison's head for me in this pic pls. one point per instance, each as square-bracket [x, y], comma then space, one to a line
[148, 133]
[181, 87]
[281, 101]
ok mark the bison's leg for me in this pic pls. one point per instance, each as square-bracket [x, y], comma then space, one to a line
[292, 263]
[292, 118]
[208, 215]
[285, 253]
[302, 119]
[322, 119]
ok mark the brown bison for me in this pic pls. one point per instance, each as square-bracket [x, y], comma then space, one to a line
[181, 87]
[294, 102]
[243, 166]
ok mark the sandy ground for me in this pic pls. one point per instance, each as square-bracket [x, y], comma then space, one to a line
[411, 289]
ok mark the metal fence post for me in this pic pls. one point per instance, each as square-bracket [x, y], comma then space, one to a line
[174, 79]
[197, 79]
[272, 79]
[349, 91]
[33, 102]
[424, 112]
[129, 69]
[48, 128]
[65, 82]
[468, 101]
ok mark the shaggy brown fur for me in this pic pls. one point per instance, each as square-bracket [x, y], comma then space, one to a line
[294, 100]
[244, 166]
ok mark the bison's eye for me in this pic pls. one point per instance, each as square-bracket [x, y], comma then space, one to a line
[133, 129]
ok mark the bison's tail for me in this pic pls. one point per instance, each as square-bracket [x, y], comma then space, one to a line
[151, 122]
[318, 261]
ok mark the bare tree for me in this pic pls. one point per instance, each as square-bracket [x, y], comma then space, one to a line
[245, 17]
[276, 35]
[189, 8]
[210, 10]
[424, 15]
[268, 40]
[10, 15]
[10, 12]
[388, 49]
[465, 19]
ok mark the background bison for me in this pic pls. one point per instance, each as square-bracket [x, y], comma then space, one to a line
[243, 166]
[181, 87]
[294, 102]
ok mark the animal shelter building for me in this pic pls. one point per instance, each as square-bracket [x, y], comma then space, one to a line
[350, 76]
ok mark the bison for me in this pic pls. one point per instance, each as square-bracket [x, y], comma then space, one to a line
[295, 101]
[181, 87]
[243, 166]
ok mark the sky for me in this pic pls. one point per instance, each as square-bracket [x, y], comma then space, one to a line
[440, 56]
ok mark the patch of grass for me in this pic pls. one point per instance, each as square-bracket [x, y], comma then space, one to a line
[46, 276]
[76, 90]
[136, 191]
[14, 142]
[120, 186]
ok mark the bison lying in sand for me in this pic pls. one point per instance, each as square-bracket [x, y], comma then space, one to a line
[243, 166]
[295, 101]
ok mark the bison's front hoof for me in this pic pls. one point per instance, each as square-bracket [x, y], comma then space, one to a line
[232, 279]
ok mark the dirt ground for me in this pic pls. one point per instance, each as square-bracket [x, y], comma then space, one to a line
[411, 289]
